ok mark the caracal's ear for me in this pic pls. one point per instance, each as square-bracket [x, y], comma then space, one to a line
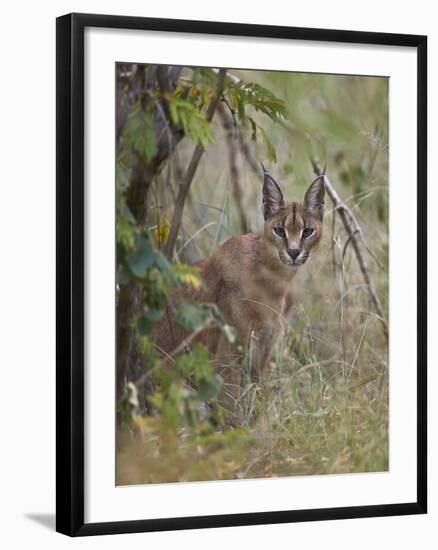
[273, 198]
[314, 197]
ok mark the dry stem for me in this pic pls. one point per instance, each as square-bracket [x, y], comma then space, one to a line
[353, 231]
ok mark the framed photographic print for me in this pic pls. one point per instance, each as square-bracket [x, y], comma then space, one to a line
[241, 274]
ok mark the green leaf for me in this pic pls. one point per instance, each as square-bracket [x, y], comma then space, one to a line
[125, 232]
[260, 98]
[142, 257]
[253, 129]
[240, 108]
[123, 274]
[192, 119]
[209, 388]
[188, 274]
[196, 363]
[147, 320]
[122, 180]
[140, 134]
[192, 315]
[162, 262]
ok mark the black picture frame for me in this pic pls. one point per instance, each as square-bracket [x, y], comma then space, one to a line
[70, 273]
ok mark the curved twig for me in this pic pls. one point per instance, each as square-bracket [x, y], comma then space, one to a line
[354, 231]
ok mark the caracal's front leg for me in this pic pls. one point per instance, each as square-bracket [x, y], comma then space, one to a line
[262, 344]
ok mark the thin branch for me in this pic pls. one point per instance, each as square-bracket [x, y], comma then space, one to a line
[231, 109]
[347, 242]
[229, 125]
[189, 339]
[362, 236]
[353, 230]
[191, 170]
[355, 224]
[247, 154]
[332, 240]
[170, 356]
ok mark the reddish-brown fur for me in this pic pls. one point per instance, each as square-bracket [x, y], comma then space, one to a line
[250, 279]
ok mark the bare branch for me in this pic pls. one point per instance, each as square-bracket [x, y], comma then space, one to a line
[355, 224]
[191, 170]
[189, 339]
[231, 109]
[353, 230]
[246, 151]
[362, 236]
[332, 241]
[228, 123]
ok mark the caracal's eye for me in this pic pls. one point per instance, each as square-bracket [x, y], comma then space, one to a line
[280, 232]
[307, 232]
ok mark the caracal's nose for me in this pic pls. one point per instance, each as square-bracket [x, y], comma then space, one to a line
[293, 253]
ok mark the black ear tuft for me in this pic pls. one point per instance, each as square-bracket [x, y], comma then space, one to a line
[273, 198]
[314, 197]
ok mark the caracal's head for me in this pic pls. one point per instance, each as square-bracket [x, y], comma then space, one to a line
[292, 229]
